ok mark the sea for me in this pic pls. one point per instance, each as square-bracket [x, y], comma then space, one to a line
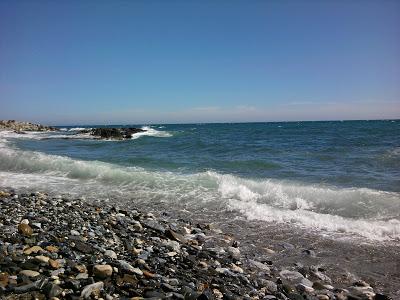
[338, 177]
[324, 184]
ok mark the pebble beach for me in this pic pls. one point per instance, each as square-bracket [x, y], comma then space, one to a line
[55, 247]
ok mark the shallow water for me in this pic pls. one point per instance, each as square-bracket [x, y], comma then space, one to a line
[337, 177]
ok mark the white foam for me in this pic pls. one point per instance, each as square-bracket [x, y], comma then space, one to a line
[151, 132]
[357, 211]
[42, 135]
[79, 129]
[368, 228]
[369, 213]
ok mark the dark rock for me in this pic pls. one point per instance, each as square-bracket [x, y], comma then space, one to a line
[115, 133]
[83, 247]
[382, 297]
[152, 224]
[175, 236]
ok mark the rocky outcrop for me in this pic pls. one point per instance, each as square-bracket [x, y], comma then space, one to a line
[23, 126]
[114, 133]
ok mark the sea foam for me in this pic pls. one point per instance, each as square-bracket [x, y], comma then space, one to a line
[368, 213]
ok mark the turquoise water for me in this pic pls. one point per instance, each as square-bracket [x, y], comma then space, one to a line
[310, 174]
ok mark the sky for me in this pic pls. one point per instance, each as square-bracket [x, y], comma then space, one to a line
[135, 62]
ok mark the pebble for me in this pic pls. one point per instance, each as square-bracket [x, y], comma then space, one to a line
[234, 252]
[92, 290]
[42, 259]
[102, 271]
[111, 254]
[25, 229]
[70, 249]
[29, 273]
[34, 249]
[125, 266]
[75, 232]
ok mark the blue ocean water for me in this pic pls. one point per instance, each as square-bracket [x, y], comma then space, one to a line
[310, 174]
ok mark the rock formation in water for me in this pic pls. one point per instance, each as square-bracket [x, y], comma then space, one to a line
[23, 126]
[114, 133]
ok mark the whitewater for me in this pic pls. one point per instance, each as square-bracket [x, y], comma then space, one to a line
[315, 177]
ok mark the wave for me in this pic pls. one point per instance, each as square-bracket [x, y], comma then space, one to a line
[361, 212]
[78, 129]
[151, 132]
[364, 212]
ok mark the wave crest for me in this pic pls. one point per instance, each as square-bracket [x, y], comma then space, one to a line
[357, 211]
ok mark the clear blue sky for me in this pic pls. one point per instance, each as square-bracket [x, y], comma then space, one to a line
[66, 62]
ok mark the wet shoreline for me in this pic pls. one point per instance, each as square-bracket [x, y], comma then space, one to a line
[58, 246]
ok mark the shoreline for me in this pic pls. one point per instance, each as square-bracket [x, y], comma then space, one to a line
[115, 252]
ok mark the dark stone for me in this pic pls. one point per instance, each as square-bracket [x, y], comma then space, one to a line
[115, 133]
[153, 294]
[167, 287]
[73, 284]
[382, 297]
[206, 295]
[53, 290]
[175, 236]
[152, 224]
[83, 247]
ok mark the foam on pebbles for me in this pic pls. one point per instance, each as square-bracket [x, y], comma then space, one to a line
[64, 248]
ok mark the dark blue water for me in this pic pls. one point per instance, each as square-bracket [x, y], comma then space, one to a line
[344, 154]
[339, 177]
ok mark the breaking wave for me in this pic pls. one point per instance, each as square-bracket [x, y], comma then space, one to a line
[151, 132]
[361, 212]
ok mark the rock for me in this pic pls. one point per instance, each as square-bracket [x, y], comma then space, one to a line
[259, 265]
[271, 286]
[20, 127]
[57, 272]
[74, 232]
[125, 266]
[309, 252]
[292, 276]
[153, 224]
[54, 264]
[29, 273]
[82, 276]
[234, 252]
[42, 259]
[4, 279]
[115, 133]
[102, 271]
[111, 254]
[381, 297]
[172, 245]
[53, 290]
[148, 274]
[304, 288]
[34, 249]
[25, 229]
[52, 249]
[363, 292]
[286, 246]
[4, 194]
[80, 268]
[236, 268]
[175, 236]
[93, 289]
[83, 247]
